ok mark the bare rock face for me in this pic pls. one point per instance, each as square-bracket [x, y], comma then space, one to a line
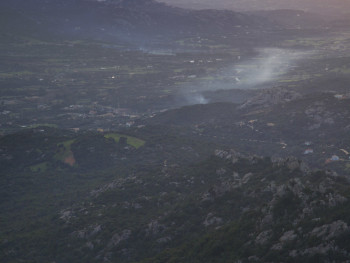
[271, 97]
[221, 154]
[318, 115]
[330, 231]
[284, 239]
[288, 236]
[220, 190]
[263, 237]
[321, 249]
[66, 215]
[231, 154]
[164, 240]
[267, 220]
[154, 228]
[246, 178]
[212, 220]
[292, 163]
[119, 237]
[234, 156]
[220, 171]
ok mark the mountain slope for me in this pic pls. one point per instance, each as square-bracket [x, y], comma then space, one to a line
[228, 207]
[303, 217]
[276, 122]
[294, 18]
[127, 19]
[328, 7]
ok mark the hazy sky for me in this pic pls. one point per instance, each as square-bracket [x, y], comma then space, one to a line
[334, 7]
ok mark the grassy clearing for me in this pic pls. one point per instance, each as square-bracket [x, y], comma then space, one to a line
[295, 78]
[42, 125]
[343, 70]
[41, 167]
[134, 142]
[16, 74]
[347, 167]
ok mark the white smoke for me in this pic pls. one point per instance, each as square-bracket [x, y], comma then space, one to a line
[268, 67]
[197, 99]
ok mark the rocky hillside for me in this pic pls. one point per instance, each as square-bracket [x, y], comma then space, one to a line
[289, 215]
[231, 207]
[275, 122]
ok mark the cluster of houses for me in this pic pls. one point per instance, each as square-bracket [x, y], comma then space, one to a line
[342, 96]
[333, 158]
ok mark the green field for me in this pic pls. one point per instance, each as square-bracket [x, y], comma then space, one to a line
[134, 142]
[41, 167]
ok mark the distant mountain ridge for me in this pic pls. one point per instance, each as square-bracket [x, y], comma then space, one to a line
[290, 18]
[112, 19]
[325, 7]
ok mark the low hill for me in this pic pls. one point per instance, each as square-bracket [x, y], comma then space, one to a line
[276, 122]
